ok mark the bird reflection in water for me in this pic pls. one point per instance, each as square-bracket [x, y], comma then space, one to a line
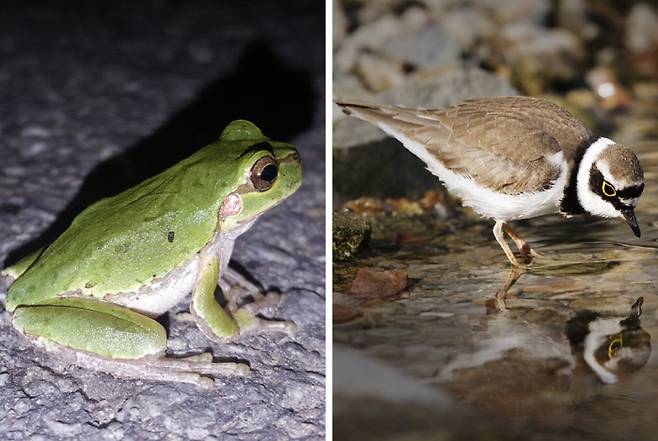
[609, 347]
[598, 349]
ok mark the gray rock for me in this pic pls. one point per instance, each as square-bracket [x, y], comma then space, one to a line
[368, 36]
[339, 23]
[427, 47]
[415, 18]
[642, 28]
[379, 169]
[468, 26]
[507, 11]
[373, 35]
[449, 88]
[573, 16]
[501, 11]
[111, 93]
[379, 73]
[539, 55]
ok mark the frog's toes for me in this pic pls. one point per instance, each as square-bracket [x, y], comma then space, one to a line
[250, 324]
[202, 364]
[204, 357]
[184, 316]
[262, 302]
[196, 369]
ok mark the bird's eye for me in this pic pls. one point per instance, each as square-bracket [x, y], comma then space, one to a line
[264, 173]
[608, 189]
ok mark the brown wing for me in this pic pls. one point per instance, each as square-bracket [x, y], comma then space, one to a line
[565, 128]
[502, 142]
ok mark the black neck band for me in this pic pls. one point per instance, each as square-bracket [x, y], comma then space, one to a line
[570, 205]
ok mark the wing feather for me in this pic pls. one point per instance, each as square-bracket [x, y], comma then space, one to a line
[506, 143]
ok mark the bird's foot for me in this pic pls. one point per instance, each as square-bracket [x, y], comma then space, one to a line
[527, 252]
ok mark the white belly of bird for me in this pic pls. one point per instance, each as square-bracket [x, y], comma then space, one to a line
[487, 202]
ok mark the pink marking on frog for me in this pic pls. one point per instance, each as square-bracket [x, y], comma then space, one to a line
[231, 206]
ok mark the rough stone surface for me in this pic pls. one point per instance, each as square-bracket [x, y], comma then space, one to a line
[370, 36]
[379, 72]
[468, 26]
[97, 97]
[428, 47]
[506, 11]
[538, 55]
[641, 28]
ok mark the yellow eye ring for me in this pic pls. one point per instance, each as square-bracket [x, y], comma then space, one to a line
[615, 346]
[608, 189]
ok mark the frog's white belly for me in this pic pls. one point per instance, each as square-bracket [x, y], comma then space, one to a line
[165, 293]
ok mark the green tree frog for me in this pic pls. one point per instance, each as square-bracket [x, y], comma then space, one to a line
[92, 295]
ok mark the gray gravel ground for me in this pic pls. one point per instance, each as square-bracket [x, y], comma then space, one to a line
[94, 99]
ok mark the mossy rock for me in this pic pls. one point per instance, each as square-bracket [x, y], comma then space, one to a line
[351, 233]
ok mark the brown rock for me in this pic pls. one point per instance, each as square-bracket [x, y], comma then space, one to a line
[344, 314]
[373, 284]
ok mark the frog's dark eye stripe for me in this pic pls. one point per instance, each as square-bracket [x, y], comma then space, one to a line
[264, 173]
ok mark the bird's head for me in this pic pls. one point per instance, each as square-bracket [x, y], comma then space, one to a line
[610, 181]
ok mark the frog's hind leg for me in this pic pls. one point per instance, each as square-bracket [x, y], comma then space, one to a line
[11, 273]
[218, 323]
[113, 339]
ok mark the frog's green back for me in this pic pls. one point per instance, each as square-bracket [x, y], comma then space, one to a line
[119, 243]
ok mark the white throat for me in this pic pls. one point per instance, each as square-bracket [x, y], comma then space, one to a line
[591, 202]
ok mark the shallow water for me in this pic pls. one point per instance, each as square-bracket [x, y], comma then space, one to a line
[541, 366]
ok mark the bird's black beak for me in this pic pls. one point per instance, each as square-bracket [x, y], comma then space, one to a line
[629, 215]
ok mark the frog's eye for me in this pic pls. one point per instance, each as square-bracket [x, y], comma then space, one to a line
[264, 173]
[608, 189]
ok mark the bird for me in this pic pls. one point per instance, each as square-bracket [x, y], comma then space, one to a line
[514, 157]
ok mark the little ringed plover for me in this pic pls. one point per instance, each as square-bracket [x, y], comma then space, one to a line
[512, 158]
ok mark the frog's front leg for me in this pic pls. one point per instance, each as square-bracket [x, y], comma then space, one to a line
[113, 339]
[237, 287]
[219, 323]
